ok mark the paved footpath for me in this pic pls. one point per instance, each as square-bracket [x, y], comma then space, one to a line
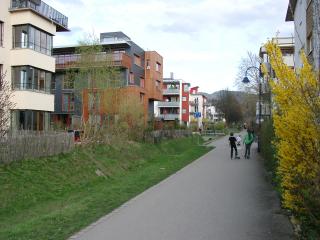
[214, 198]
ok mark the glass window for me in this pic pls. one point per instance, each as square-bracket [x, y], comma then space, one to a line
[42, 80]
[37, 40]
[43, 42]
[158, 67]
[137, 60]
[31, 37]
[26, 77]
[142, 83]
[1, 76]
[186, 88]
[1, 33]
[131, 78]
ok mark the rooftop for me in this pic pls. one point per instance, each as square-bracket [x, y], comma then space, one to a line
[42, 9]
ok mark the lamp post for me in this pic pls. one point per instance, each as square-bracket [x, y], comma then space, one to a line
[246, 81]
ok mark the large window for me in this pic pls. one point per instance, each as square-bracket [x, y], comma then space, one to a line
[30, 120]
[27, 36]
[30, 78]
[1, 33]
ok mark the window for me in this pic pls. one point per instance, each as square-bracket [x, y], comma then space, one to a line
[131, 78]
[68, 102]
[158, 83]
[27, 36]
[30, 120]
[142, 97]
[310, 43]
[184, 111]
[158, 67]
[186, 88]
[30, 78]
[1, 33]
[148, 63]
[142, 83]
[68, 82]
[137, 60]
[184, 99]
[1, 76]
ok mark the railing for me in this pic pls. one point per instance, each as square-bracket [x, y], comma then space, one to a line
[74, 60]
[30, 87]
[169, 117]
[171, 91]
[169, 104]
[41, 8]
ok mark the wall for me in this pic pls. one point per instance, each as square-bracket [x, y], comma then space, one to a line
[300, 30]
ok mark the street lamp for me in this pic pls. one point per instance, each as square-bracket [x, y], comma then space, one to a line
[246, 81]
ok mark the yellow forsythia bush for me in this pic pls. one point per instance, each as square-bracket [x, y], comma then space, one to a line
[296, 115]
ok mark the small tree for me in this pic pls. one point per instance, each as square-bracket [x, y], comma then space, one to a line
[95, 75]
[297, 129]
[6, 104]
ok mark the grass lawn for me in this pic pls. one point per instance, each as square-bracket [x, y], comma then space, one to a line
[54, 197]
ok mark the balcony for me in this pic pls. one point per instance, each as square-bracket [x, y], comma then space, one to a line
[169, 80]
[171, 91]
[169, 117]
[111, 59]
[168, 104]
[43, 10]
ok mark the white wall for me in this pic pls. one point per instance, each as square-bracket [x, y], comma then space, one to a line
[300, 30]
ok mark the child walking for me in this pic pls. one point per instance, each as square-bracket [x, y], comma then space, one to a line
[233, 145]
[248, 139]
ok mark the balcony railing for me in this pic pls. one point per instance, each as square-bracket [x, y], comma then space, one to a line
[171, 91]
[74, 60]
[43, 9]
[169, 117]
[169, 104]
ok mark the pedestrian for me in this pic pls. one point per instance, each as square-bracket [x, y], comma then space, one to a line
[238, 140]
[248, 139]
[233, 146]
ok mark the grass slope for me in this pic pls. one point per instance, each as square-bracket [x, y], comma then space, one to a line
[52, 198]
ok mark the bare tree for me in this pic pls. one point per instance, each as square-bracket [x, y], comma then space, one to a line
[249, 64]
[5, 105]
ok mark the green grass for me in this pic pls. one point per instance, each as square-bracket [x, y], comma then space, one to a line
[54, 197]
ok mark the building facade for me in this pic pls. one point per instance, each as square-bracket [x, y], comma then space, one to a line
[140, 74]
[305, 15]
[26, 34]
[287, 47]
[198, 107]
[175, 103]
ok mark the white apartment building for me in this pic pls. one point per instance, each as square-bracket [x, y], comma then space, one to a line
[27, 28]
[198, 107]
[305, 15]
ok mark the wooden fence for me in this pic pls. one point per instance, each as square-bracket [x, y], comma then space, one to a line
[27, 144]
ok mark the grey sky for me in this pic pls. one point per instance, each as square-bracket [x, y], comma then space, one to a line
[202, 41]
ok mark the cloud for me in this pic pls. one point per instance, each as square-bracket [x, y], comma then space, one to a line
[200, 40]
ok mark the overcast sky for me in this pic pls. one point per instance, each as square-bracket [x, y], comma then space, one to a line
[201, 41]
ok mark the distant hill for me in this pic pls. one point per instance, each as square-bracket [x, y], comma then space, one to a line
[240, 96]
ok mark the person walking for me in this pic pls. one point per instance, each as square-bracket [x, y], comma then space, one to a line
[248, 139]
[233, 145]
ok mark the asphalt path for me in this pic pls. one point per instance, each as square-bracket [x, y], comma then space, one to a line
[214, 198]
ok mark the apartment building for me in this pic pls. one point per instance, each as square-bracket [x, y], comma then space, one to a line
[27, 28]
[175, 103]
[287, 47]
[198, 107]
[305, 16]
[141, 74]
